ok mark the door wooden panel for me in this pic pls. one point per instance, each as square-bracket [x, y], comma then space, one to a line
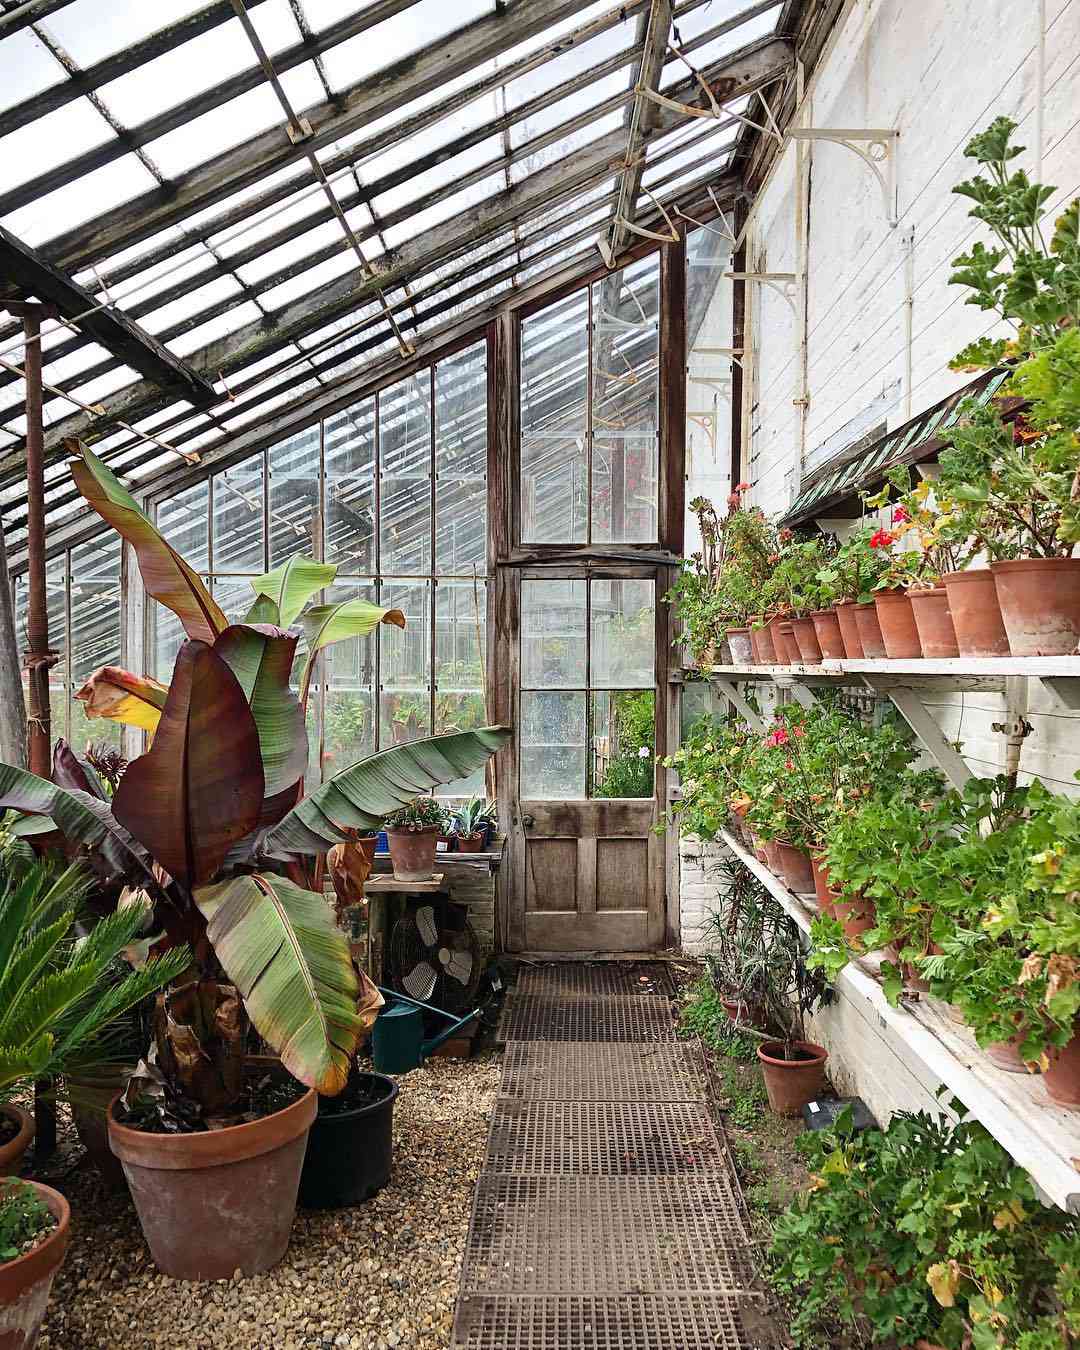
[551, 875]
[622, 870]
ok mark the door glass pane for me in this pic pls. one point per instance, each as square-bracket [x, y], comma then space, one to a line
[623, 634]
[553, 634]
[349, 672]
[623, 743]
[405, 476]
[294, 498]
[461, 462]
[405, 657]
[553, 745]
[238, 517]
[350, 488]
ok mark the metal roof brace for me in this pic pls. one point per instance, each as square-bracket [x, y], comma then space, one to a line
[671, 237]
[718, 108]
[875, 146]
[783, 283]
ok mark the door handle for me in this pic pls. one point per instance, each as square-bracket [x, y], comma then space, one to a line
[528, 822]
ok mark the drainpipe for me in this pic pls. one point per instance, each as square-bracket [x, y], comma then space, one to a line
[909, 322]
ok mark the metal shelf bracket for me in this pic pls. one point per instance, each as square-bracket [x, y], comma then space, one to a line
[783, 283]
[875, 146]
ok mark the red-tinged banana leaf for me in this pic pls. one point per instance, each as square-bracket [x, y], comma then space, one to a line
[291, 963]
[166, 576]
[69, 771]
[359, 797]
[261, 658]
[120, 696]
[292, 584]
[199, 789]
[325, 624]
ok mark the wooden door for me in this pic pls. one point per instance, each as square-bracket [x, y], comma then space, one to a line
[589, 688]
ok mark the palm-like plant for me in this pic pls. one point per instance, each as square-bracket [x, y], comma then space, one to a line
[212, 821]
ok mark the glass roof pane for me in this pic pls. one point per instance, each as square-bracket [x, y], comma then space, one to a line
[573, 62]
[29, 67]
[397, 37]
[190, 303]
[434, 215]
[243, 313]
[82, 200]
[703, 18]
[575, 105]
[293, 250]
[440, 176]
[49, 141]
[309, 282]
[79, 28]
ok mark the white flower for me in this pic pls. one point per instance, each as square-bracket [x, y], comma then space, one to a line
[643, 752]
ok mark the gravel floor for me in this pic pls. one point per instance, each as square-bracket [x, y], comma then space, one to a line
[382, 1275]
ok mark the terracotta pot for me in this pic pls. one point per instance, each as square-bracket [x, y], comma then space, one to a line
[805, 631]
[1040, 604]
[766, 648]
[791, 1083]
[783, 642]
[470, 843]
[1005, 1055]
[897, 624]
[825, 895]
[849, 630]
[830, 637]
[937, 635]
[758, 846]
[90, 1095]
[26, 1281]
[11, 1154]
[976, 613]
[218, 1201]
[755, 652]
[412, 852]
[739, 643]
[772, 857]
[855, 916]
[743, 1014]
[796, 869]
[866, 619]
[1062, 1078]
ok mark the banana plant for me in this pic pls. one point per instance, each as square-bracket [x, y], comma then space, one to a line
[212, 822]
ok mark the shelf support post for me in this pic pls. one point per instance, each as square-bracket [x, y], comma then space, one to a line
[748, 715]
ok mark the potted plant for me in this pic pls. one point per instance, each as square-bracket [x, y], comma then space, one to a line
[794, 589]
[212, 827]
[350, 1147]
[413, 832]
[35, 1227]
[472, 824]
[847, 582]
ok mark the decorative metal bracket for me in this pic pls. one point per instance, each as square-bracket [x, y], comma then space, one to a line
[671, 236]
[875, 146]
[722, 385]
[783, 283]
[734, 354]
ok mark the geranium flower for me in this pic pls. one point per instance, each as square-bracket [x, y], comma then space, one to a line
[743, 487]
[900, 516]
[786, 535]
[733, 500]
[881, 539]
[777, 737]
[798, 731]
[789, 764]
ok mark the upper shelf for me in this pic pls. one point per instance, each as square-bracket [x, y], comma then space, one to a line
[1041, 667]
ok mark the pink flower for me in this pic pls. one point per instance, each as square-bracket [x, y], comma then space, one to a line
[900, 516]
[789, 764]
[777, 737]
[798, 731]
[882, 539]
[743, 487]
[733, 500]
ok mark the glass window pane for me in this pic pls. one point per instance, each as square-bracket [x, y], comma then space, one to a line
[460, 654]
[553, 634]
[350, 488]
[184, 520]
[405, 476]
[623, 744]
[553, 746]
[238, 518]
[623, 634]
[461, 462]
[56, 611]
[405, 664]
[95, 623]
[624, 489]
[554, 490]
[348, 729]
[294, 498]
[166, 637]
[235, 595]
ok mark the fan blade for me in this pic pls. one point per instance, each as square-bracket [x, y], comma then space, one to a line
[420, 982]
[460, 966]
[425, 923]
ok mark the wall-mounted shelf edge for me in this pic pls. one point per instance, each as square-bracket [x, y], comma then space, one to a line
[1015, 1108]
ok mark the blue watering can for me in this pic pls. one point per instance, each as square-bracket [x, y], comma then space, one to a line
[397, 1038]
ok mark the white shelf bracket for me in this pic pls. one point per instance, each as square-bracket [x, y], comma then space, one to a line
[800, 692]
[944, 754]
[1065, 691]
[783, 283]
[875, 146]
[748, 715]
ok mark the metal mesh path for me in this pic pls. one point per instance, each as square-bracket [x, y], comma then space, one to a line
[605, 1217]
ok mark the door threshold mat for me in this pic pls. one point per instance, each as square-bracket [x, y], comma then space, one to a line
[545, 1138]
[614, 1322]
[606, 1235]
[580, 979]
[589, 1072]
[537, 1017]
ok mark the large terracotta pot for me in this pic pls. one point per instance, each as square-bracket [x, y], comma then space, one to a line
[217, 1201]
[897, 624]
[772, 857]
[976, 613]
[766, 649]
[1005, 1055]
[1040, 604]
[795, 868]
[743, 1014]
[825, 894]
[856, 916]
[1062, 1078]
[413, 852]
[806, 640]
[830, 638]
[849, 630]
[739, 645]
[758, 847]
[873, 644]
[90, 1095]
[791, 1083]
[937, 635]
[11, 1154]
[787, 654]
[26, 1281]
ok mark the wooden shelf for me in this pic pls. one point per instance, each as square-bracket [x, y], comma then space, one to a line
[1015, 1108]
[958, 667]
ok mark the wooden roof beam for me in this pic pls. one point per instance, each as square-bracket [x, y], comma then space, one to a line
[15, 15]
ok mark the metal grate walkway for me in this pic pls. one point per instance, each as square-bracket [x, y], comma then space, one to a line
[605, 1217]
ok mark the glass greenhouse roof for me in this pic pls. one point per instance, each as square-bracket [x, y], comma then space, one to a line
[286, 193]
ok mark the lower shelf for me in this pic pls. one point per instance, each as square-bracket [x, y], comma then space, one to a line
[1015, 1108]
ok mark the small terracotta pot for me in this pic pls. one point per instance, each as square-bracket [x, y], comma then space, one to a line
[772, 857]
[825, 895]
[26, 1281]
[830, 638]
[739, 643]
[1040, 604]
[1005, 1055]
[791, 1083]
[855, 916]
[873, 644]
[937, 635]
[976, 613]
[470, 843]
[766, 649]
[796, 869]
[806, 640]
[743, 1013]
[412, 852]
[755, 654]
[849, 630]
[1062, 1078]
[897, 624]
[787, 654]
[11, 1155]
[217, 1201]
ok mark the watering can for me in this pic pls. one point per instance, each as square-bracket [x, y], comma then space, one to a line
[397, 1038]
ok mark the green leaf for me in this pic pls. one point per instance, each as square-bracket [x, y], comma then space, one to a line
[291, 585]
[264, 610]
[326, 624]
[291, 964]
[261, 658]
[166, 576]
[359, 797]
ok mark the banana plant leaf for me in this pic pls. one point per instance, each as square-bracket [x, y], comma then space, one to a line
[326, 624]
[292, 584]
[263, 610]
[69, 771]
[280, 947]
[199, 789]
[120, 696]
[261, 658]
[359, 797]
[166, 576]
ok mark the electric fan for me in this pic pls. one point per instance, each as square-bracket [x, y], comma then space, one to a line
[434, 956]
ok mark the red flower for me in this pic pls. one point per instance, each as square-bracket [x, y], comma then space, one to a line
[900, 516]
[743, 487]
[798, 731]
[733, 501]
[777, 737]
[786, 535]
[789, 764]
[882, 539]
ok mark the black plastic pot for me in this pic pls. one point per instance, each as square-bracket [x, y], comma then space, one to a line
[349, 1152]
